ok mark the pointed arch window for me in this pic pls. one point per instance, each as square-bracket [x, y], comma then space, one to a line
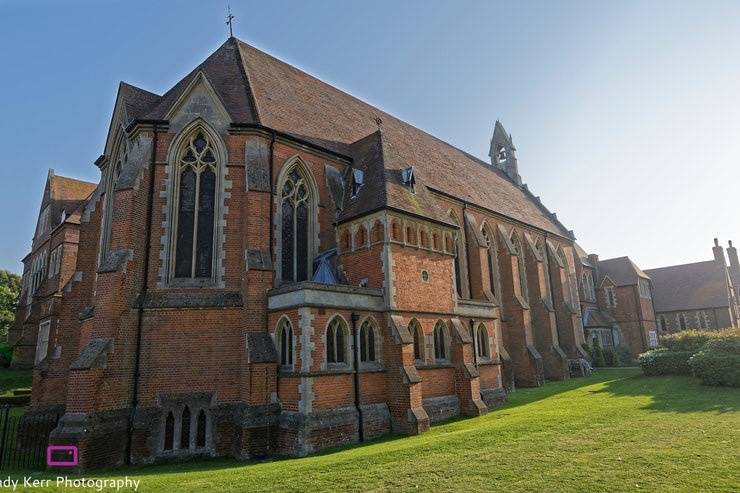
[682, 322]
[519, 252]
[663, 323]
[169, 431]
[418, 336]
[492, 257]
[200, 432]
[111, 182]
[185, 428]
[296, 204]
[285, 342]
[197, 176]
[367, 342]
[336, 333]
[484, 351]
[440, 341]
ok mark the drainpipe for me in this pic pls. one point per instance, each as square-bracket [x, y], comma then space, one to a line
[354, 318]
[142, 294]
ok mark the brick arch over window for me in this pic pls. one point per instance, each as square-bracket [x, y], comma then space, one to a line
[296, 221]
[197, 164]
[418, 339]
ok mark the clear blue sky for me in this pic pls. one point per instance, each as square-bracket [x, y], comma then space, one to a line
[625, 114]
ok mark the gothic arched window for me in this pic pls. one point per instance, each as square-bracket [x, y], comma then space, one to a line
[367, 341]
[418, 336]
[169, 431]
[335, 341]
[285, 342]
[194, 246]
[519, 252]
[185, 428]
[491, 256]
[120, 158]
[200, 432]
[295, 202]
[440, 341]
[682, 322]
[483, 349]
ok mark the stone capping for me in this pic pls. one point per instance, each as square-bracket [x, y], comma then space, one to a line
[115, 261]
[471, 371]
[504, 355]
[260, 348]
[523, 304]
[87, 312]
[259, 260]
[400, 330]
[533, 352]
[319, 373]
[410, 375]
[476, 308]
[533, 248]
[554, 254]
[475, 232]
[193, 299]
[459, 334]
[94, 355]
[434, 366]
[548, 304]
[325, 295]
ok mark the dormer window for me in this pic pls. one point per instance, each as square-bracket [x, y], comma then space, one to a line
[358, 179]
[407, 178]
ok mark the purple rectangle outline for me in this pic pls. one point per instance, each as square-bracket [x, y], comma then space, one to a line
[62, 463]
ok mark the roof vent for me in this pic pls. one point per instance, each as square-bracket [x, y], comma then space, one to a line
[407, 178]
[358, 179]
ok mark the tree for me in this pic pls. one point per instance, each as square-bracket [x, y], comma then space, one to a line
[10, 290]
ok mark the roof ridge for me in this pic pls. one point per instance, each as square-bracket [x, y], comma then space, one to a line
[710, 261]
[247, 80]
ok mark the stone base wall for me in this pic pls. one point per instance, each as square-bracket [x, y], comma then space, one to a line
[442, 408]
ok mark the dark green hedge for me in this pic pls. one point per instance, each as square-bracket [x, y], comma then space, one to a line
[687, 340]
[662, 361]
[716, 368]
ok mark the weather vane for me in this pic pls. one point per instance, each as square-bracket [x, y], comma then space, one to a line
[229, 19]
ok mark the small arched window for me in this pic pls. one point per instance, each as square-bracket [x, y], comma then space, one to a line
[185, 428]
[285, 342]
[519, 252]
[440, 341]
[169, 431]
[418, 336]
[458, 271]
[491, 257]
[663, 323]
[296, 204]
[335, 341]
[367, 342]
[682, 322]
[484, 350]
[703, 320]
[196, 203]
[200, 432]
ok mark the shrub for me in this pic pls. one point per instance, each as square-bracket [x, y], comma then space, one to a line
[687, 340]
[611, 357]
[6, 355]
[662, 361]
[725, 341]
[716, 368]
[625, 356]
[597, 354]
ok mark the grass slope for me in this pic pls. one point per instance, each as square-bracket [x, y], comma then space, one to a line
[613, 431]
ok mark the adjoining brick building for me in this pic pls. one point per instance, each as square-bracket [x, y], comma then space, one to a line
[699, 295]
[616, 303]
[270, 266]
[48, 268]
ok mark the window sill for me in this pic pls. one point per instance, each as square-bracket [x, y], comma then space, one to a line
[187, 282]
[435, 365]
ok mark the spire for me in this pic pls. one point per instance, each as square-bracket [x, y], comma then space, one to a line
[503, 153]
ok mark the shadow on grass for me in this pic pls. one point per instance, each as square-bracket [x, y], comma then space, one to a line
[678, 394]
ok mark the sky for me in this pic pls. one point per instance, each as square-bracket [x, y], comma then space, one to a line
[625, 114]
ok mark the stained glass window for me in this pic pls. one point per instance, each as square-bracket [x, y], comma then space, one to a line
[335, 334]
[367, 341]
[440, 348]
[418, 340]
[295, 200]
[285, 342]
[491, 255]
[197, 168]
[483, 351]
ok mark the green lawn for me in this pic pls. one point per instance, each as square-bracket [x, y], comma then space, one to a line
[11, 380]
[613, 431]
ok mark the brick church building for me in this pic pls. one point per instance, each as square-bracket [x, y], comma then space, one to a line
[270, 266]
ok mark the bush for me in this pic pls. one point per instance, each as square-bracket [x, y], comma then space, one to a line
[597, 354]
[611, 357]
[716, 368]
[726, 341]
[625, 356]
[662, 361]
[687, 340]
[6, 355]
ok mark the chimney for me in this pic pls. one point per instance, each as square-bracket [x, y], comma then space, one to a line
[719, 253]
[732, 255]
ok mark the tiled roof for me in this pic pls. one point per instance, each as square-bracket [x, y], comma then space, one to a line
[137, 101]
[593, 317]
[621, 270]
[689, 286]
[258, 88]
